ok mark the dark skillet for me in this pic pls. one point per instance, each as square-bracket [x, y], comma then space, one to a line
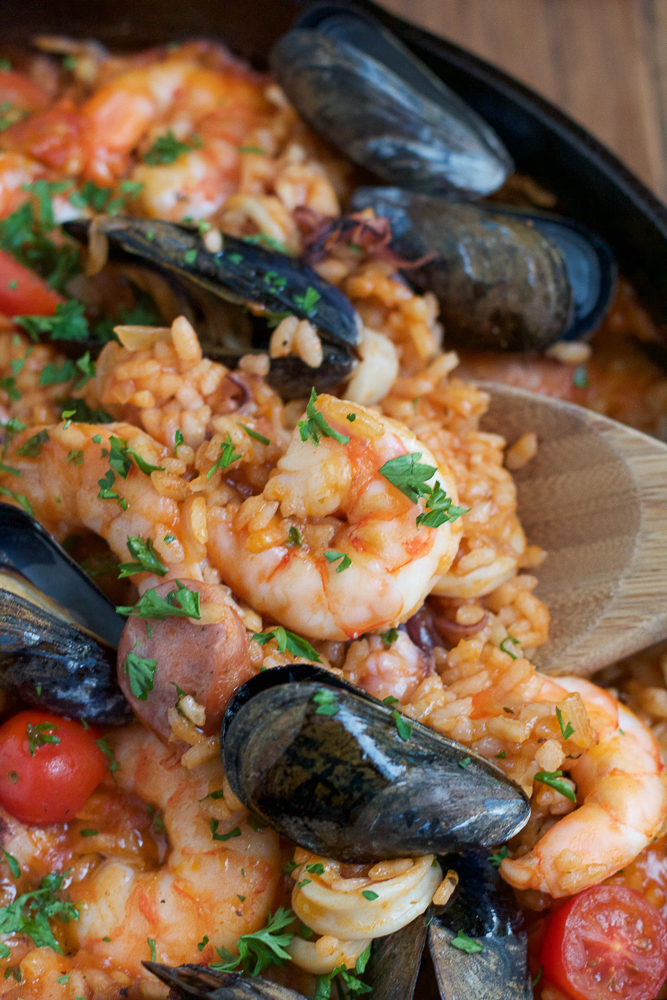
[590, 183]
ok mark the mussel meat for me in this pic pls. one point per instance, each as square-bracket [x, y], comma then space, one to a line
[208, 984]
[268, 283]
[483, 908]
[56, 653]
[506, 279]
[339, 773]
[365, 93]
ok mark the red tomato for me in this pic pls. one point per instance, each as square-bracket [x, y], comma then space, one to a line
[51, 783]
[607, 943]
[30, 296]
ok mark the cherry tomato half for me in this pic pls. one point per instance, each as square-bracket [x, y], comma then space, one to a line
[48, 767]
[607, 943]
[24, 293]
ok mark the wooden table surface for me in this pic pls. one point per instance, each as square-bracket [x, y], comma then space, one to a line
[603, 62]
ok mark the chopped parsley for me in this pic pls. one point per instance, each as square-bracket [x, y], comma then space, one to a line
[566, 730]
[8, 383]
[498, 857]
[253, 433]
[10, 114]
[294, 536]
[153, 948]
[147, 558]
[317, 869]
[506, 648]
[464, 763]
[108, 752]
[178, 439]
[24, 237]
[223, 836]
[538, 976]
[390, 700]
[305, 881]
[152, 606]
[410, 475]
[31, 912]
[202, 944]
[20, 499]
[315, 425]
[33, 445]
[40, 735]
[259, 950]
[226, 457]
[580, 379]
[389, 637]
[286, 640]
[326, 702]
[347, 980]
[554, 779]
[289, 867]
[14, 866]
[190, 256]
[402, 725]
[141, 673]
[89, 833]
[107, 493]
[78, 412]
[502, 755]
[100, 199]
[167, 149]
[333, 557]
[308, 301]
[251, 149]
[67, 323]
[467, 944]
[369, 894]
[262, 239]
[351, 417]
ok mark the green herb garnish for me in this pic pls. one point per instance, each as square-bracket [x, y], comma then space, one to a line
[254, 434]
[402, 725]
[223, 836]
[152, 606]
[554, 779]
[67, 323]
[326, 702]
[333, 557]
[108, 752]
[499, 856]
[31, 912]
[389, 637]
[566, 731]
[467, 944]
[141, 672]
[147, 558]
[41, 735]
[315, 425]
[167, 149]
[226, 457]
[286, 640]
[507, 648]
[259, 950]
[32, 447]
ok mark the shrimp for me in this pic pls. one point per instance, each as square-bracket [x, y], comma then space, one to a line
[359, 561]
[206, 889]
[623, 791]
[65, 472]
[396, 670]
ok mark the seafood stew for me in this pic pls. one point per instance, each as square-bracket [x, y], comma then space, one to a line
[233, 422]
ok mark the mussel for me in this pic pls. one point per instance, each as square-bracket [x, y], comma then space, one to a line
[365, 93]
[483, 908]
[58, 632]
[506, 279]
[208, 984]
[246, 274]
[338, 772]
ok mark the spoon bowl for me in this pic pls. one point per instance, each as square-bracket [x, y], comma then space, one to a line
[595, 497]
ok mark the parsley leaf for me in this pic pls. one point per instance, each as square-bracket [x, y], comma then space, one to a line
[153, 948]
[67, 323]
[308, 301]
[315, 426]
[151, 605]
[554, 779]
[409, 475]
[566, 731]
[294, 536]
[202, 944]
[348, 980]
[369, 894]
[20, 499]
[439, 509]
[30, 913]
[326, 702]
[332, 557]
[167, 149]
[107, 493]
[467, 944]
[389, 637]
[498, 856]
[507, 648]
[214, 824]
[141, 671]
[402, 725]
[178, 439]
[32, 447]
[108, 752]
[253, 433]
[79, 412]
[226, 457]
[317, 869]
[40, 735]
[259, 950]
[147, 558]
[14, 866]
[288, 641]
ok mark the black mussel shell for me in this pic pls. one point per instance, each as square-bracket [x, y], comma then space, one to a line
[200, 981]
[346, 784]
[58, 633]
[506, 279]
[248, 275]
[365, 93]
[484, 908]
[394, 961]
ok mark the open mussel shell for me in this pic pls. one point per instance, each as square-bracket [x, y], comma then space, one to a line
[506, 279]
[366, 94]
[200, 981]
[248, 275]
[346, 784]
[57, 653]
[484, 908]
[394, 961]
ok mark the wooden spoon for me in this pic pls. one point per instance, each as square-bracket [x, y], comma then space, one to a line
[595, 497]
